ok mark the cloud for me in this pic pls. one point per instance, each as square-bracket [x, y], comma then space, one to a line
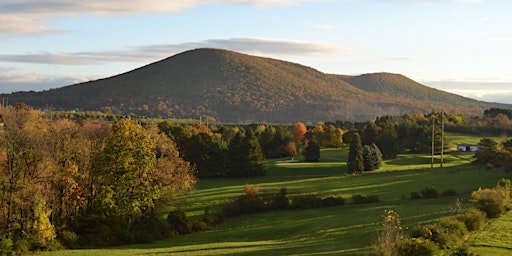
[28, 17]
[149, 53]
[402, 58]
[10, 81]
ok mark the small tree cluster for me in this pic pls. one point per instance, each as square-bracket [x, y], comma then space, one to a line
[363, 158]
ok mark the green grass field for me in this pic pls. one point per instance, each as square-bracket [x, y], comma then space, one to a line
[341, 230]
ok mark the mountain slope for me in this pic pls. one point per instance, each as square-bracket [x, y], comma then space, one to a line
[235, 87]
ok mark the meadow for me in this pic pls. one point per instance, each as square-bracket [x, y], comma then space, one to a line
[341, 230]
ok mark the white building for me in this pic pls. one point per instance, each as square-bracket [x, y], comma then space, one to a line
[464, 147]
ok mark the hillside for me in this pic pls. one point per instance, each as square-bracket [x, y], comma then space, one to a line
[234, 87]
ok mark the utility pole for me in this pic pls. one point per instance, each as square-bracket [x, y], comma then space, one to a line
[433, 144]
[442, 137]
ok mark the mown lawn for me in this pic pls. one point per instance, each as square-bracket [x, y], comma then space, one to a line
[342, 230]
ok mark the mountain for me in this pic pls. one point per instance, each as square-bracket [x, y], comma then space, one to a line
[233, 87]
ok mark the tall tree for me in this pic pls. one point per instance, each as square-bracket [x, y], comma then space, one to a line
[355, 160]
[299, 130]
[388, 141]
[135, 168]
[312, 151]
[24, 166]
[245, 158]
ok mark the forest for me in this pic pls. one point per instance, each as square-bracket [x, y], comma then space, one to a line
[73, 180]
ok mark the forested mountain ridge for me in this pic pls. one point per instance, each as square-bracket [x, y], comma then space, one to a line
[232, 87]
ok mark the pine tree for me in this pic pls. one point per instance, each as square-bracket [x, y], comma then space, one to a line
[245, 158]
[355, 156]
[312, 151]
[372, 157]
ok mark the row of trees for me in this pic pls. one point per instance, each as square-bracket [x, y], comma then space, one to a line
[57, 175]
[240, 151]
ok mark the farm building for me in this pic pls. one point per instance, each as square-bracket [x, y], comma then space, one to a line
[463, 147]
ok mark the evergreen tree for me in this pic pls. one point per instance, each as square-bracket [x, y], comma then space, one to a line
[312, 151]
[355, 156]
[388, 141]
[372, 157]
[245, 158]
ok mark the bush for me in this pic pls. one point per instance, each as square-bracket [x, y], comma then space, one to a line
[179, 223]
[198, 226]
[472, 218]
[446, 233]
[6, 246]
[68, 239]
[415, 195]
[306, 201]
[449, 192]
[505, 184]
[417, 247]
[280, 200]
[492, 202]
[360, 199]
[462, 251]
[333, 201]
[429, 192]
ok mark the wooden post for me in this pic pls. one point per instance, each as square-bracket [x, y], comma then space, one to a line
[442, 137]
[433, 144]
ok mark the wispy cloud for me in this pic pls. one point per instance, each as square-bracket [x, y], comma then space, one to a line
[142, 54]
[27, 17]
[403, 58]
[324, 26]
[11, 81]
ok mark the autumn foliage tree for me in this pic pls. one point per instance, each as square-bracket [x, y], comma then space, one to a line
[299, 130]
[56, 175]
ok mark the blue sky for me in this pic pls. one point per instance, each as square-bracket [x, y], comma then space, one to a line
[461, 46]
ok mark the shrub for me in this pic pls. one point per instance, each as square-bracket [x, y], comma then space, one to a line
[280, 200]
[198, 226]
[360, 199]
[390, 236]
[446, 233]
[332, 201]
[505, 184]
[462, 251]
[6, 246]
[492, 202]
[449, 192]
[68, 239]
[429, 192]
[179, 223]
[415, 195]
[21, 246]
[417, 247]
[472, 218]
[306, 201]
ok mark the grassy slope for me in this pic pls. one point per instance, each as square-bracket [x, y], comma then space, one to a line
[495, 239]
[343, 230]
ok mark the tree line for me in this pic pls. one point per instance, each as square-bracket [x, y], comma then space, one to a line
[93, 181]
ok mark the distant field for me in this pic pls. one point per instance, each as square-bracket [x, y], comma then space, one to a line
[342, 230]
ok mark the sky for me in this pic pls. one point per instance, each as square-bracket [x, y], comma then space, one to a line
[460, 46]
